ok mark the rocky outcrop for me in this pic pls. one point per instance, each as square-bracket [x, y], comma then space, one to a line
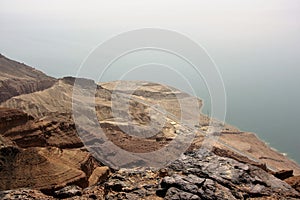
[58, 99]
[294, 181]
[240, 158]
[213, 177]
[69, 191]
[12, 117]
[249, 145]
[54, 130]
[195, 175]
[24, 194]
[45, 169]
[90, 193]
[42, 154]
[283, 174]
[99, 175]
[132, 184]
[199, 176]
[17, 78]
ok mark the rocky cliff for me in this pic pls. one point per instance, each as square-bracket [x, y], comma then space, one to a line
[42, 153]
[11, 117]
[58, 99]
[42, 157]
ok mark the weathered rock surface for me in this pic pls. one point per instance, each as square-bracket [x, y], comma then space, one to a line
[250, 145]
[294, 181]
[24, 194]
[198, 176]
[10, 118]
[69, 191]
[214, 177]
[44, 168]
[99, 175]
[17, 78]
[56, 130]
[90, 193]
[284, 174]
[131, 184]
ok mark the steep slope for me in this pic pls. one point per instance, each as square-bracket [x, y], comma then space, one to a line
[41, 154]
[192, 176]
[42, 168]
[58, 99]
[40, 148]
[54, 130]
[11, 117]
[17, 78]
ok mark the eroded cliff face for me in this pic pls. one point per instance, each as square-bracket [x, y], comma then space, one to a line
[195, 175]
[17, 78]
[11, 117]
[57, 101]
[41, 151]
[54, 130]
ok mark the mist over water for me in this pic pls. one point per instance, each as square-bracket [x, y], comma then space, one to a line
[255, 46]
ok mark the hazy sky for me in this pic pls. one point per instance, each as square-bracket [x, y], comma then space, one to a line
[56, 35]
[255, 44]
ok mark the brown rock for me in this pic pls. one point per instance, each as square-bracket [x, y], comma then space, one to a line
[12, 117]
[42, 168]
[99, 175]
[294, 182]
[54, 130]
